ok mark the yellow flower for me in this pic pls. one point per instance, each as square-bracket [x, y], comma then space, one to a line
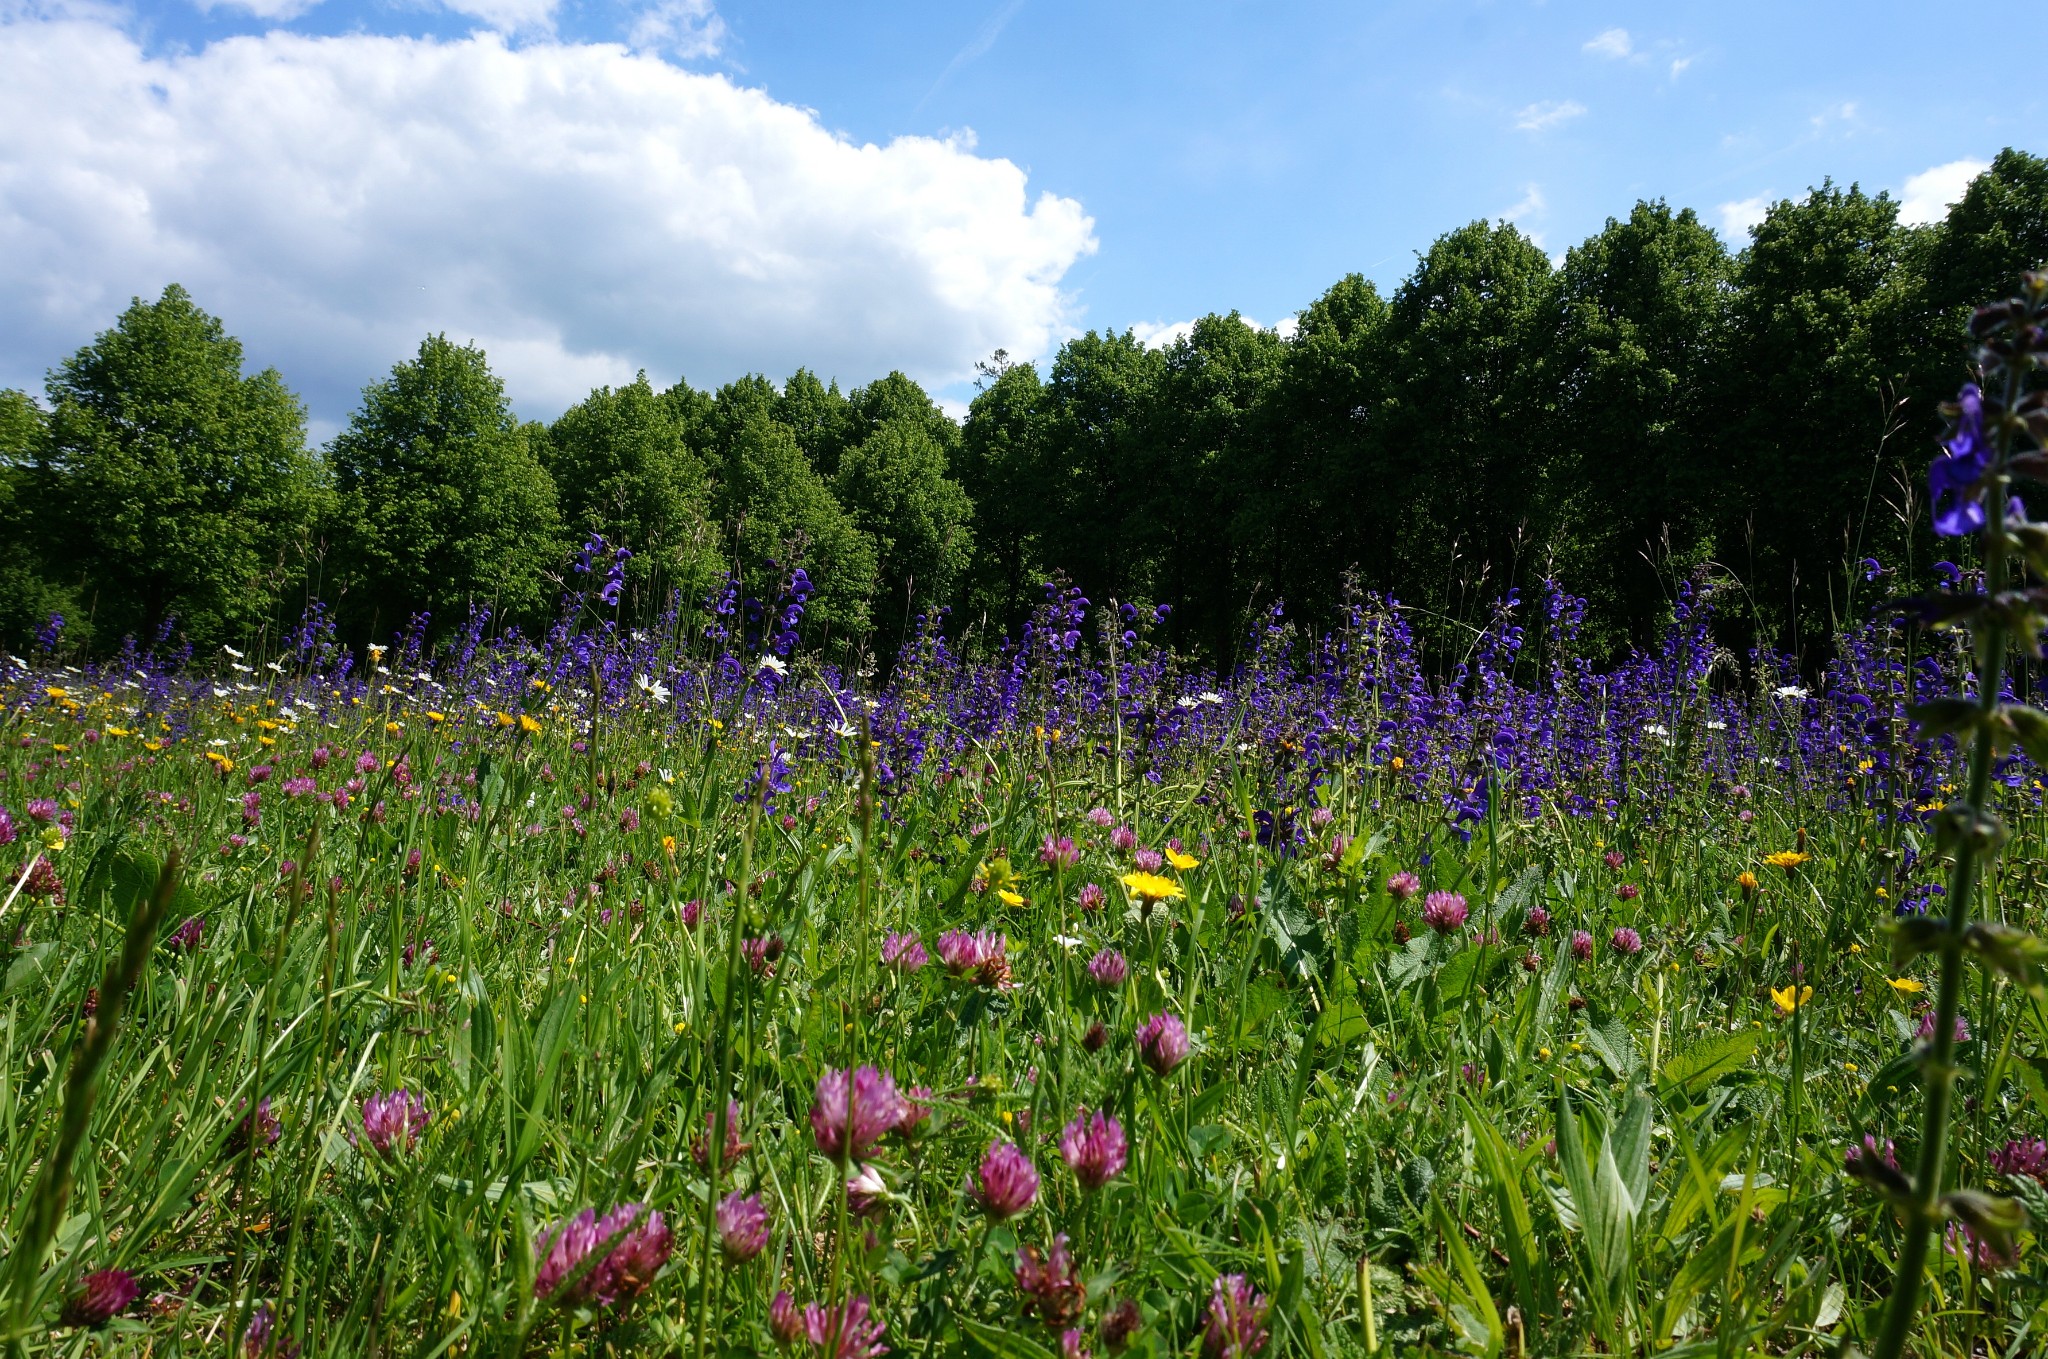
[1181, 861]
[392, 728]
[1787, 859]
[504, 719]
[528, 724]
[1791, 998]
[54, 692]
[433, 716]
[1151, 887]
[1746, 881]
[53, 839]
[1397, 764]
[118, 731]
[668, 845]
[1010, 898]
[1907, 986]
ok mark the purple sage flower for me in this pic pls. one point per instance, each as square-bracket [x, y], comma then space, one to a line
[1956, 475]
[742, 1227]
[1162, 1043]
[876, 1108]
[1095, 1148]
[1236, 1325]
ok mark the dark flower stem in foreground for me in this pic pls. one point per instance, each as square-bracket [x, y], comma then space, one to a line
[81, 1088]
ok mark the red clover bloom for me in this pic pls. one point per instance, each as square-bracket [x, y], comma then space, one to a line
[1445, 912]
[1403, 886]
[1582, 945]
[1008, 1181]
[742, 1227]
[904, 953]
[1627, 941]
[1095, 1147]
[875, 1109]
[1092, 897]
[1162, 1043]
[1059, 853]
[636, 1253]
[1236, 1326]
[1108, 968]
[99, 1297]
[394, 1122]
[1049, 1284]
[700, 1146]
[2016, 1159]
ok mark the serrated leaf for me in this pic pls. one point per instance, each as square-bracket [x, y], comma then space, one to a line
[1707, 1061]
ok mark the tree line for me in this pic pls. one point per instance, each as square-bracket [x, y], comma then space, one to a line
[1650, 405]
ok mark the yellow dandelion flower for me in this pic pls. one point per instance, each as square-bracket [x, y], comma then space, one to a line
[1906, 986]
[1151, 887]
[1787, 859]
[1010, 898]
[528, 724]
[1181, 861]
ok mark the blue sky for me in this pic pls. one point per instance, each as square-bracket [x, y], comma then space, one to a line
[704, 187]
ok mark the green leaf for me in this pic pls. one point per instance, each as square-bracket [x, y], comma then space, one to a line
[2029, 727]
[1502, 1167]
[1007, 1342]
[1945, 716]
[2012, 951]
[1707, 1061]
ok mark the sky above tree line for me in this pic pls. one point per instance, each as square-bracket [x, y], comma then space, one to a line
[705, 188]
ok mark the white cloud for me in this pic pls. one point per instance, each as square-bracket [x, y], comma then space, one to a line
[1678, 65]
[688, 28]
[1166, 334]
[1929, 193]
[1738, 217]
[507, 16]
[1614, 44]
[580, 211]
[1530, 205]
[1547, 114]
[280, 11]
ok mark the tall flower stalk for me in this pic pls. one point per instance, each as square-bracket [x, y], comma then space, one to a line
[2000, 435]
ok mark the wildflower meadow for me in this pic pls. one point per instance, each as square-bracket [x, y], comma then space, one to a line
[657, 985]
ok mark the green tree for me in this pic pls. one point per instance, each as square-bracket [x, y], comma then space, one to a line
[1095, 491]
[27, 596]
[1002, 448]
[1822, 338]
[1993, 234]
[623, 467]
[1454, 466]
[894, 484]
[822, 419]
[779, 509]
[170, 484]
[1636, 319]
[444, 501]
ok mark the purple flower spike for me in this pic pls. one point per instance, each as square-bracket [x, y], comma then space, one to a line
[1008, 1181]
[2016, 1159]
[876, 1108]
[1095, 1147]
[1162, 1043]
[1236, 1327]
[742, 1227]
[394, 1122]
[99, 1297]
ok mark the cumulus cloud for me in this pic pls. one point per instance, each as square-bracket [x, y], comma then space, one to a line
[1547, 114]
[1614, 44]
[579, 210]
[687, 28]
[1166, 334]
[506, 16]
[1738, 217]
[1929, 194]
[280, 11]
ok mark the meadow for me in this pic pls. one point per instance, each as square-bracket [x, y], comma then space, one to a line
[663, 990]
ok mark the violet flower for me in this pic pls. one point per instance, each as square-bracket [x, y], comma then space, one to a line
[1162, 1043]
[1236, 1325]
[1445, 912]
[1007, 1183]
[394, 1121]
[1109, 969]
[876, 1109]
[99, 1297]
[742, 1227]
[1049, 1282]
[634, 1252]
[1095, 1148]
